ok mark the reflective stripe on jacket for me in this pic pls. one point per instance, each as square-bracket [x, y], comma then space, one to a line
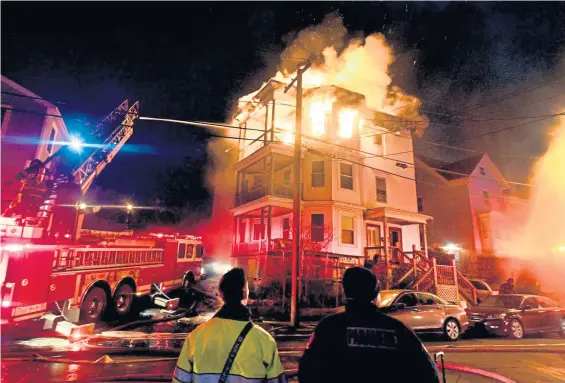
[207, 348]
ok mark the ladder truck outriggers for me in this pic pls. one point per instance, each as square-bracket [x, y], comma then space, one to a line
[53, 270]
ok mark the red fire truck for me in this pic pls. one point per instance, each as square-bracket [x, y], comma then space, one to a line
[51, 268]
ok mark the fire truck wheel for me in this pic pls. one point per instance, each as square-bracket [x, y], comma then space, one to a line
[93, 305]
[123, 298]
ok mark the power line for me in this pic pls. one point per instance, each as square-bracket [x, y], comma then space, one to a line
[472, 150]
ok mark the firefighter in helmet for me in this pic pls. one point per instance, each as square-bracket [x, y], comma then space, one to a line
[507, 287]
[229, 347]
[31, 192]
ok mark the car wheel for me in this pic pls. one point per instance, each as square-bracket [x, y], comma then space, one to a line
[188, 281]
[93, 306]
[451, 330]
[562, 327]
[123, 299]
[516, 329]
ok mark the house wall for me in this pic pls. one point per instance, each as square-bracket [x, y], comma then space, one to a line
[25, 135]
[449, 205]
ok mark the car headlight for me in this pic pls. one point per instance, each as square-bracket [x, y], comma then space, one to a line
[496, 316]
[202, 270]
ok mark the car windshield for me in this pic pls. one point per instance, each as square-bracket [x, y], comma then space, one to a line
[503, 301]
[387, 297]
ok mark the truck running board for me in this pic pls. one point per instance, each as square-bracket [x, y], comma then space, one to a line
[168, 304]
[72, 331]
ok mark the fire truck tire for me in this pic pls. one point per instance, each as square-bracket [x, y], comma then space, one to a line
[94, 305]
[123, 299]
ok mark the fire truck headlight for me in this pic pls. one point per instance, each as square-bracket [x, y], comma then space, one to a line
[6, 303]
[202, 271]
[76, 144]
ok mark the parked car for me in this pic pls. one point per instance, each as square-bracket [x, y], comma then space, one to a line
[515, 315]
[424, 312]
[483, 289]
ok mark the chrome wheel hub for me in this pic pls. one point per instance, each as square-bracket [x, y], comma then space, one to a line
[517, 330]
[452, 330]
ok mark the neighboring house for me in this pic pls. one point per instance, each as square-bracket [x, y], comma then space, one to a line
[358, 188]
[463, 197]
[31, 128]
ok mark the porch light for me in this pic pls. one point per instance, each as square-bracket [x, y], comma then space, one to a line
[451, 247]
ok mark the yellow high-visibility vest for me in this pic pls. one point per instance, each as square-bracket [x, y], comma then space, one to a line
[207, 348]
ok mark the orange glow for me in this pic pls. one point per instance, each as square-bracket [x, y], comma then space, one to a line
[318, 112]
[347, 119]
[286, 135]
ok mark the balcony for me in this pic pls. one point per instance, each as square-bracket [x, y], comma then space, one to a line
[280, 190]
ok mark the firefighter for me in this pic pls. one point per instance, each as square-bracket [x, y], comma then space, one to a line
[507, 287]
[32, 191]
[363, 345]
[229, 347]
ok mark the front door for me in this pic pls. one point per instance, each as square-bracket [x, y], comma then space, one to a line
[395, 236]
[373, 236]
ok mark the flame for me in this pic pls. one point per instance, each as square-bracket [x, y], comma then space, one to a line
[286, 135]
[347, 119]
[318, 112]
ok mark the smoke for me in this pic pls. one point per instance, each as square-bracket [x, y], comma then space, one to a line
[540, 239]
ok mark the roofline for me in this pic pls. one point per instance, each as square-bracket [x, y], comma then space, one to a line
[28, 93]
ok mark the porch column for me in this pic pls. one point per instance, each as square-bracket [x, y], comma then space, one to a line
[261, 242]
[265, 138]
[269, 226]
[272, 175]
[237, 188]
[425, 232]
[273, 122]
[386, 244]
[235, 231]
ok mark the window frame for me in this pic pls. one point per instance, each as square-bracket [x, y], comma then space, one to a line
[255, 224]
[317, 173]
[482, 171]
[317, 227]
[183, 254]
[341, 229]
[341, 175]
[51, 140]
[377, 178]
[286, 231]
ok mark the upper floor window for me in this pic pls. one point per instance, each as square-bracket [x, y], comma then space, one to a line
[286, 176]
[482, 170]
[317, 227]
[381, 189]
[348, 230]
[318, 174]
[379, 139]
[346, 176]
[51, 141]
[420, 205]
[486, 197]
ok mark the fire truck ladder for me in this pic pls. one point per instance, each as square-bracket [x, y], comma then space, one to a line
[85, 174]
[89, 169]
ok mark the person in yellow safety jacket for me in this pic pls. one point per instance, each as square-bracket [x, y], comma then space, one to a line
[207, 348]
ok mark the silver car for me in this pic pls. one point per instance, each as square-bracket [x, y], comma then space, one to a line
[424, 312]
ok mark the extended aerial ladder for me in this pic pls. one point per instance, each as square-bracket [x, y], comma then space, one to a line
[71, 177]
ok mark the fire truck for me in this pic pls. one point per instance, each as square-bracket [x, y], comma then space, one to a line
[50, 268]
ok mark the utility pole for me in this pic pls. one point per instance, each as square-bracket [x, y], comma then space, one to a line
[297, 198]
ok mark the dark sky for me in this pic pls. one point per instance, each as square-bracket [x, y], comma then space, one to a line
[190, 60]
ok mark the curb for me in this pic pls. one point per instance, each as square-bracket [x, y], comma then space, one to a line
[292, 350]
[477, 371]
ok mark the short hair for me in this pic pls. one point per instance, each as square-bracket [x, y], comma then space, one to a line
[232, 285]
[360, 284]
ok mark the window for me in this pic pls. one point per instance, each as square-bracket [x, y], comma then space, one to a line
[545, 302]
[286, 228]
[199, 251]
[182, 250]
[379, 139]
[429, 299]
[347, 230]
[486, 197]
[189, 251]
[530, 302]
[318, 174]
[257, 181]
[256, 231]
[51, 142]
[482, 170]
[286, 176]
[317, 227]
[381, 189]
[409, 300]
[346, 176]
[420, 205]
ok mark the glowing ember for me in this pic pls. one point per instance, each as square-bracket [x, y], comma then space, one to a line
[347, 119]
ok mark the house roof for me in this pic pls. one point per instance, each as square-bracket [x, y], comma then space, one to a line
[13, 87]
[464, 167]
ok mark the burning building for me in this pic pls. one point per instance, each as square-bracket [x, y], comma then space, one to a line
[358, 182]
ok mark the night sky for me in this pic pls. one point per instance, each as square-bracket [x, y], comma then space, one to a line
[192, 60]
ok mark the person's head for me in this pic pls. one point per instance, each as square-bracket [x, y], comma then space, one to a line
[360, 285]
[510, 280]
[234, 287]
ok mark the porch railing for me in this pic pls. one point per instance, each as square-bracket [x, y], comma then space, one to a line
[280, 189]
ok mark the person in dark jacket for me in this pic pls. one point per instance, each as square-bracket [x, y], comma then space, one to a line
[362, 344]
[507, 287]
